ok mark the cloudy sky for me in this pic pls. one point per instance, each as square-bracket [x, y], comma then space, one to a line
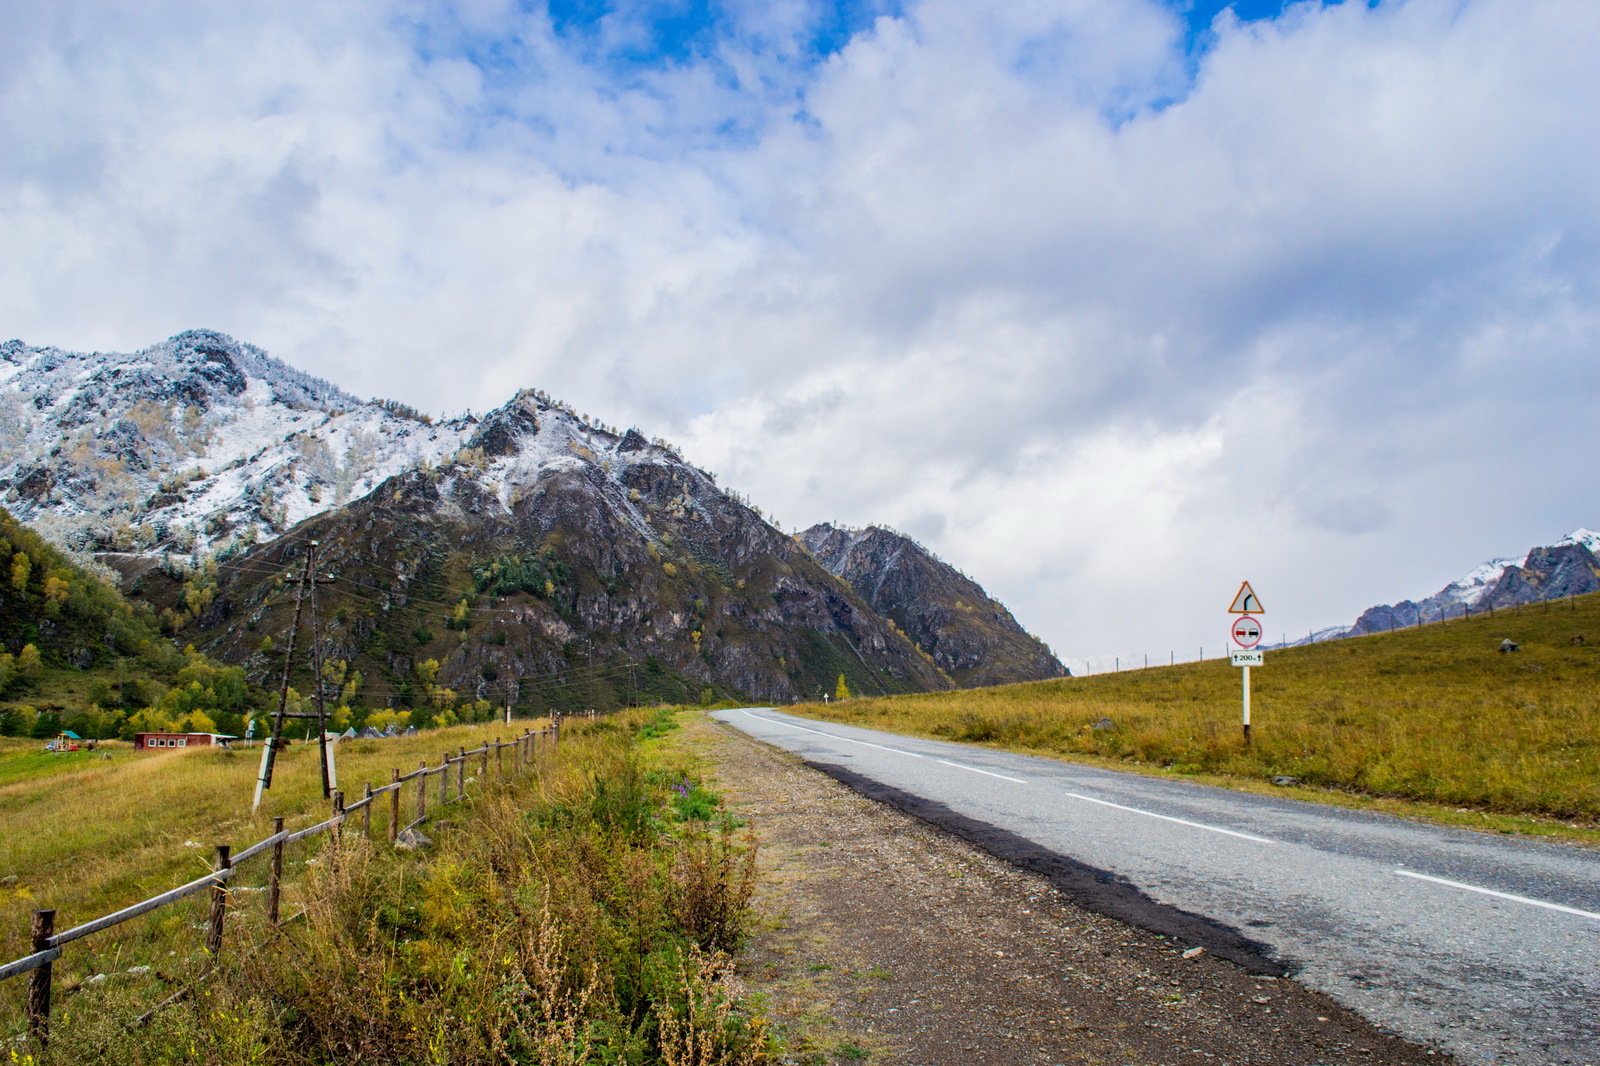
[1112, 303]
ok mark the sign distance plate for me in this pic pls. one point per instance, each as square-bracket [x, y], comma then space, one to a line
[1250, 657]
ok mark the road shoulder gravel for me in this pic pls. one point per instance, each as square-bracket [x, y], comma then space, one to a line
[886, 939]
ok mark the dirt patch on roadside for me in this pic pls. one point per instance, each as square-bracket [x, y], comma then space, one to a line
[888, 940]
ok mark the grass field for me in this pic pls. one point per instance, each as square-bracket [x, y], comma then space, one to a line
[87, 833]
[580, 910]
[1436, 715]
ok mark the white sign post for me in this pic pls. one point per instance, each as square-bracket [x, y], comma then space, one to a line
[1246, 633]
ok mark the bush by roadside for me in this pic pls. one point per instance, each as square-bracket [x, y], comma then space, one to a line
[581, 915]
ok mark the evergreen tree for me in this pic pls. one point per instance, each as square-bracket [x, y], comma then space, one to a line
[841, 691]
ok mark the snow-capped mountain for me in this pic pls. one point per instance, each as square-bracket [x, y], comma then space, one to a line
[197, 443]
[499, 549]
[1567, 567]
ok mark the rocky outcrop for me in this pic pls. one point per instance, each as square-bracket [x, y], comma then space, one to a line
[560, 564]
[1566, 568]
[1546, 574]
[970, 635]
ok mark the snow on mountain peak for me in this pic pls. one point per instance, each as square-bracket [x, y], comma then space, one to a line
[204, 443]
[1587, 537]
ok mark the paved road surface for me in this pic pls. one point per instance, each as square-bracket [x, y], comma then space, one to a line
[1488, 946]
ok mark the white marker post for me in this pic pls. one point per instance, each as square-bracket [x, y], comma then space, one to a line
[1246, 632]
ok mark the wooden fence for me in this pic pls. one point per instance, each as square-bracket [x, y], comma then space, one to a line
[47, 943]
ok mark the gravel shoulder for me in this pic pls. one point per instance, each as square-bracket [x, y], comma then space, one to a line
[885, 939]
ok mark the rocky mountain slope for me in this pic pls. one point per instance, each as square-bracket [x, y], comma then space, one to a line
[1569, 567]
[971, 636]
[531, 555]
[1566, 568]
[198, 443]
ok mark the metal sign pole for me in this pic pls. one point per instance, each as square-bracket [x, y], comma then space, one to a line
[1246, 671]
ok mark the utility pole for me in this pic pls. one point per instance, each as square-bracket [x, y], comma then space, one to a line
[269, 753]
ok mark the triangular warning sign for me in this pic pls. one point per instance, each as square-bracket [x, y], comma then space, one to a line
[1245, 602]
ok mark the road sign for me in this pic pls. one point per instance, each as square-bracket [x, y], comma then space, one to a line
[1245, 602]
[1249, 657]
[1246, 632]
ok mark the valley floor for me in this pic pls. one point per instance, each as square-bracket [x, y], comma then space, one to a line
[888, 940]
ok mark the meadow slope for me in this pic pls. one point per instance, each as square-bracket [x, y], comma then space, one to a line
[1436, 714]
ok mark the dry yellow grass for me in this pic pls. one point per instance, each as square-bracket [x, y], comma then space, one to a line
[1434, 714]
[104, 833]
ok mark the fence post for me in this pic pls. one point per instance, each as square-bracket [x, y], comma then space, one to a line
[444, 780]
[461, 772]
[366, 812]
[337, 830]
[219, 907]
[275, 872]
[44, 927]
[499, 759]
[483, 766]
[394, 803]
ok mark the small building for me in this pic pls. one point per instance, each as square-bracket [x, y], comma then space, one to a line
[163, 741]
[64, 742]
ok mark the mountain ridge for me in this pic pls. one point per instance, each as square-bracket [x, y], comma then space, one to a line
[1568, 567]
[971, 636]
[199, 467]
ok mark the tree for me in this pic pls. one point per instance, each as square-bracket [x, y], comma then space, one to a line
[841, 691]
[55, 594]
[20, 565]
[28, 663]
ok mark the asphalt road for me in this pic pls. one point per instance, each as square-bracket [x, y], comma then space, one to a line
[1487, 946]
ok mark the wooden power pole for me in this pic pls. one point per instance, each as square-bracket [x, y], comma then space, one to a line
[305, 588]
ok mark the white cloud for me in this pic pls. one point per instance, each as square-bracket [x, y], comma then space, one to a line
[996, 274]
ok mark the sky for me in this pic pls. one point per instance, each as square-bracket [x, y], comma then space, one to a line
[1111, 303]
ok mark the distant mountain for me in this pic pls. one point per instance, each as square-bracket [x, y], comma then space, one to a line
[198, 443]
[1568, 567]
[970, 635]
[531, 554]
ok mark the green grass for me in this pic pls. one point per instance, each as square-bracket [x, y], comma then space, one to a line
[89, 835]
[568, 914]
[1435, 715]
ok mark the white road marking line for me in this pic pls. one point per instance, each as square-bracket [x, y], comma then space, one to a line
[1169, 818]
[1501, 895]
[830, 736]
[974, 769]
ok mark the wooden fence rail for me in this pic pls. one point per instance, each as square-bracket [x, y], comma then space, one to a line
[47, 944]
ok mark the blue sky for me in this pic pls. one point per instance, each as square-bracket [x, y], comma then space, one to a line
[686, 30]
[1110, 308]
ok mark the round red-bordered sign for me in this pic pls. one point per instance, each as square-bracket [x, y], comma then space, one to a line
[1246, 632]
